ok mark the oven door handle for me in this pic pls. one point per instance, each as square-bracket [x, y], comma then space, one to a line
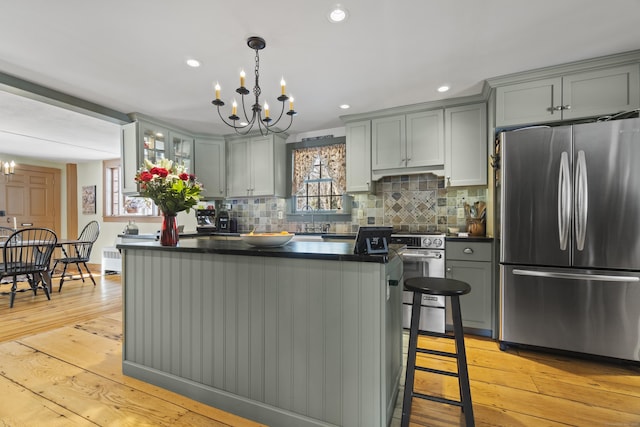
[422, 256]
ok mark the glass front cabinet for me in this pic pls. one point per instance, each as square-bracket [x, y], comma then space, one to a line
[144, 139]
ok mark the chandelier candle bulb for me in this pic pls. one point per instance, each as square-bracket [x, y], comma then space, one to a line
[291, 103]
[242, 76]
[217, 91]
[266, 110]
[234, 108]
[283, 86]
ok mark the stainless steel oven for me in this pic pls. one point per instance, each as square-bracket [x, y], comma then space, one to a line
[423, 256]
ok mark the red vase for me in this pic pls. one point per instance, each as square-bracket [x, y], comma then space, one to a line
[169, 231]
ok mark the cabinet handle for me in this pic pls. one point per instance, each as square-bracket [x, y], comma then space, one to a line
[566, 107]
[467, 250]
[557, 108]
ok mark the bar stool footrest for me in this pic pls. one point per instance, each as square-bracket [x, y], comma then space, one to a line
[438, 399]
[436, 334]
[436, 352]
[436, 371]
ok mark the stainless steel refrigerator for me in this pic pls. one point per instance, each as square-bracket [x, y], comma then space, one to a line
[570, 238]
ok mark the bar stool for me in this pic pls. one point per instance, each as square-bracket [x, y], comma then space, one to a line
[451, 288]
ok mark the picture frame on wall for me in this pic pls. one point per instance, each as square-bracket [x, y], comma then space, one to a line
[89, 199]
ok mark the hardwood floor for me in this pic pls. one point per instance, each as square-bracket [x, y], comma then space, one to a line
[60, 365]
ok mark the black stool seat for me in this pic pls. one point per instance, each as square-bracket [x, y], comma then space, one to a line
[437, 286]
[454, 289]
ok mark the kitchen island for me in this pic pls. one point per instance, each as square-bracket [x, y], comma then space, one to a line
[308, 334]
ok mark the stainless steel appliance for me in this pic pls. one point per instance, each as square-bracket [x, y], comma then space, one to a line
[570, 238]
[205, 220]
[424, 256]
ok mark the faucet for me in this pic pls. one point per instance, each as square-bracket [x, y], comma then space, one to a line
[313, 223]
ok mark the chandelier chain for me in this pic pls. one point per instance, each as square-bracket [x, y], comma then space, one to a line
[256, 89]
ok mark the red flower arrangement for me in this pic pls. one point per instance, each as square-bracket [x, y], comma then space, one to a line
[170, 187]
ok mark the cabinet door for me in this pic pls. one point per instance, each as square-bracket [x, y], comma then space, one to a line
[467, 145]
[261, 153]
[425, 138]
[238, 169]
[530, 102]
[358, 142]
[388, 143]
[476, 306]
[601, 92]
[209, 166]
[153, 139]
[181, 150]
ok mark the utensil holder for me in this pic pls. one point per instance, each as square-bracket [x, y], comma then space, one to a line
[476, 227]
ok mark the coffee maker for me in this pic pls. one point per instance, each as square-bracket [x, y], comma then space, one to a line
[206, 220]
[225, 223]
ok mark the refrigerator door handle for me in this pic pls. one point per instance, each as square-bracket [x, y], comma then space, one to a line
[576, 276]
[581, 200]
[564, 201]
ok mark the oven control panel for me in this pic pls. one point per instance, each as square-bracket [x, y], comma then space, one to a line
[434, 241]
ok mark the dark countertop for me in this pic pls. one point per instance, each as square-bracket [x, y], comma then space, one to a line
[337, 251]
[453, 238]
[185, 235]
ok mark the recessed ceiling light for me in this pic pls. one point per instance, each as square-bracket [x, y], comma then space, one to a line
[443, 88]
[193, 63]
[337, 14]
[345, 106]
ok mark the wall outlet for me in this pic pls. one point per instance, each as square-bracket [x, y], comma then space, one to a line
[460, 213]
[360, 214]
[280, 215]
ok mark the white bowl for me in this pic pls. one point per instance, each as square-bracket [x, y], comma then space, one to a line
[453, 230]
[267, 240]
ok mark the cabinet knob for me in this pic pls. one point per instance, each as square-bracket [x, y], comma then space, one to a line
[467, 250]
[448, 269]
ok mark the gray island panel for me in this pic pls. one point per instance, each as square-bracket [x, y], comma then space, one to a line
[287, 341]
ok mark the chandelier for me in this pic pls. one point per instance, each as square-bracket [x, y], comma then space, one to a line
[264, 123]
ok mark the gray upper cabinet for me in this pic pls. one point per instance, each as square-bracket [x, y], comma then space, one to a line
[408, 141]
[141, 140]
[567, 97]
[181, 149]
[210, 166]
[145, 139]
[256, 166]
[358, 147]
[466, 144]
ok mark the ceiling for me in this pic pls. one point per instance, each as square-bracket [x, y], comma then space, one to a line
[129, 56]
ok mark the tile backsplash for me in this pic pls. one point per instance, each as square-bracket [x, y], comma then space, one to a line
[409, 203]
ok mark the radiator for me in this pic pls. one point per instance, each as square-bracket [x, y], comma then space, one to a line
[111, 260]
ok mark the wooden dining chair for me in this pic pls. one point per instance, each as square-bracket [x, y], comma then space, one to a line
[26, 256]
[80, 252]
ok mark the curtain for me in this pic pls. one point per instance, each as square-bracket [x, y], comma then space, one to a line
[333, 157]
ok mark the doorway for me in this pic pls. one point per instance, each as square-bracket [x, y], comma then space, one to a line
[32, 197]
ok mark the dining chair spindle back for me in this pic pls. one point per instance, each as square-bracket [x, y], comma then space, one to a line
[26, 256]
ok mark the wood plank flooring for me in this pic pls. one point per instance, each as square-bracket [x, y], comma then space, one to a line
[60, 365]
